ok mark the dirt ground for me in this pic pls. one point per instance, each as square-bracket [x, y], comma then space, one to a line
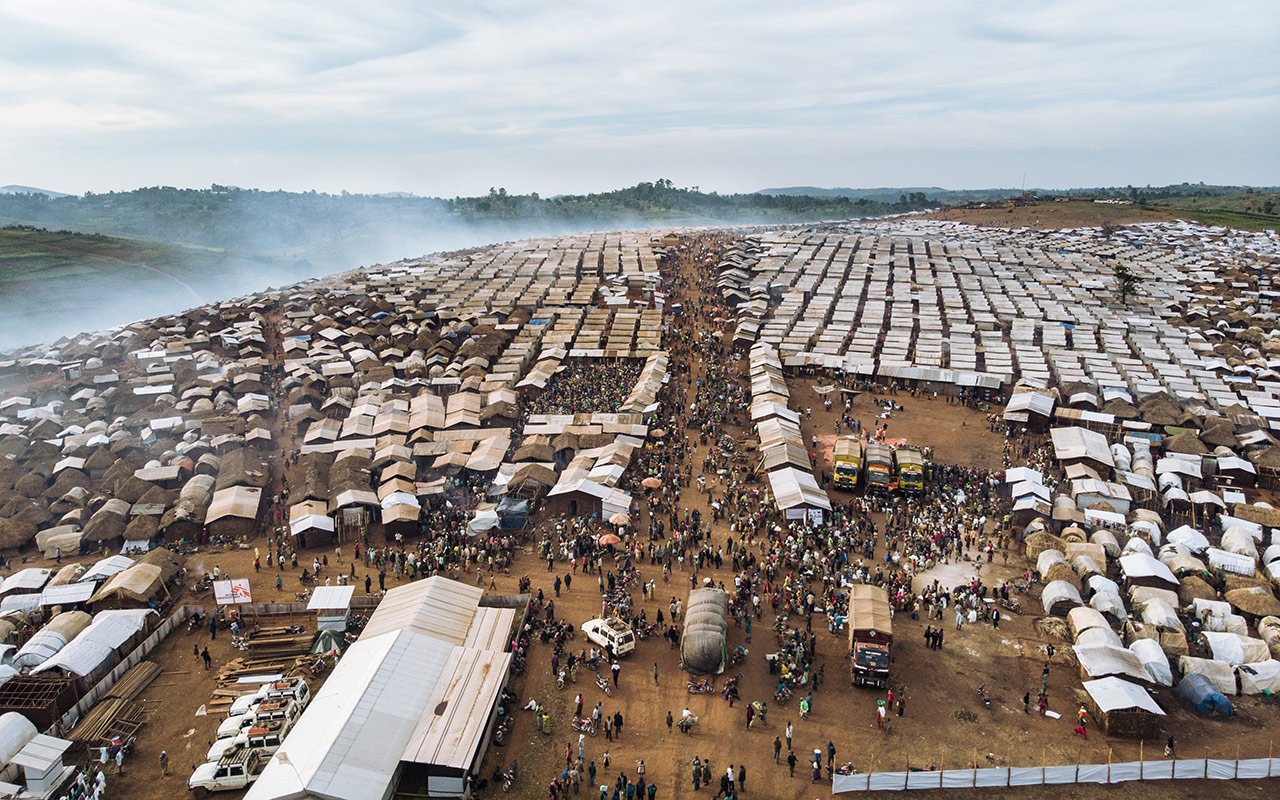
[1051, 216]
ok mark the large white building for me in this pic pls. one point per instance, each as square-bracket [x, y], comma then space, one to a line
[409, 704]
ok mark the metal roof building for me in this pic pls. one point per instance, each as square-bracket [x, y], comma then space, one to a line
[408, 705]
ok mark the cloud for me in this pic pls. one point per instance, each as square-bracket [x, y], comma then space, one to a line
[453, 97]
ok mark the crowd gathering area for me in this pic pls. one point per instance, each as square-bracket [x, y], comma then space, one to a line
[775, 513]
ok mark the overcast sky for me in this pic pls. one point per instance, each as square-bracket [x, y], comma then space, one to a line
[447, 98]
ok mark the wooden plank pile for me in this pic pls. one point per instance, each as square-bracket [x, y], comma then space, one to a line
[118, 713]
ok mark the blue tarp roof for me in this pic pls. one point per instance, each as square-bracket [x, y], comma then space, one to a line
[1199, 691]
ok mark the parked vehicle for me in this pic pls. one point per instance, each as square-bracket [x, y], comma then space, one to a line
[236, 771]
[266, 739]
[910, 463]
[295, 689]
[846, 472]
[612, 634]
[870, 635]
[879, 466]
[264, 713]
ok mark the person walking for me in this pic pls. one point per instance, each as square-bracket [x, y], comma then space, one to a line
[791, 762]
[616, 669]
[1044, 678]
[790, 730]
[577, 706]
[164, 763]
[670, 720]
[697, 773]
[831, 754]
[777, 748]
[742, 777]
[208, 659]
[1026, 703]
[751, 715]
[655, 673]
[617, 724]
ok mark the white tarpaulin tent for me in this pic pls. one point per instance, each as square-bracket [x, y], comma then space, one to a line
[1154, 660]
[1259, 677]
[1102, 660]
[1114, 694]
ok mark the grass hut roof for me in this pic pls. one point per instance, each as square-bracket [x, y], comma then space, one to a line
[141, 529]
[1258, 601]
[15, 533]
[1192, 587]
[169, 562]
[1268, 457]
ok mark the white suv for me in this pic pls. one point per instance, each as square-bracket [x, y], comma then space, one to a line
[611, 633]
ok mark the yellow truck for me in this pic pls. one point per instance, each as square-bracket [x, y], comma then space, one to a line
[846, 472]
[910, 470]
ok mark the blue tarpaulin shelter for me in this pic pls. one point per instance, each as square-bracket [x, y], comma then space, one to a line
[1199, 691]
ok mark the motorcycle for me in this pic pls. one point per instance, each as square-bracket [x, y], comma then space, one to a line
[604, 684]
[738, 656]
[982, 694]
[500, 733]
[687, 724]
[702, 686]
[509, 777]
[782, 694]
[584, 725]
[1011, 605]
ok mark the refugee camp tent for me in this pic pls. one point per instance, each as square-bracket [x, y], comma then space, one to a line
[1099, 661]
[15, 732]
[704, 644]
[50, 639]
[1199, 691]
[1144, 570]
[1233, 649]
[136, 587]
[1123, 708]
[1217, 673]
[1259, 677]
[1059, 597]
[1154, 660]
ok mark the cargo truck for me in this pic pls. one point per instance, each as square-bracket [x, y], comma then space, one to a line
[879, 466]
[847, 470]
[870, 635]
[910, 470]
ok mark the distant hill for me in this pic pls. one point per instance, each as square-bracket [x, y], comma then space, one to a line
[890, 194]
[350, 229]
[15, 189]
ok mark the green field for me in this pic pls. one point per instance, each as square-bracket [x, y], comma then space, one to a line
[1254, 211]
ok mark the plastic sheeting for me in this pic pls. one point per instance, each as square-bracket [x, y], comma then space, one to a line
[1115, 773]
[1259, 677]
[706, 628]
[1154, 660]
